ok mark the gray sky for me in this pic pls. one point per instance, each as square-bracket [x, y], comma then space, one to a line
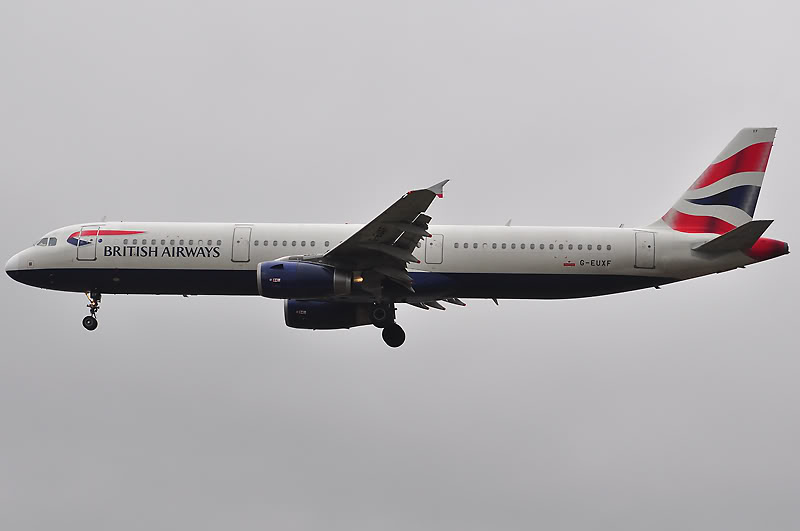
[662, 409]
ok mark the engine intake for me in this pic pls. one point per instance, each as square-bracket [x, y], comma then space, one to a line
[324, 315]
[301, 280]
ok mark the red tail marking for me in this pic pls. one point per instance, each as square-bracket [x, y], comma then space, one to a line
[696, 224]
[766, 248]
[751, 158]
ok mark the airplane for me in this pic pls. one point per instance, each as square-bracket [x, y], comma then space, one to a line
[341, 276]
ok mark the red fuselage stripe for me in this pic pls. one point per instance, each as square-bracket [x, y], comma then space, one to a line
[107, 233]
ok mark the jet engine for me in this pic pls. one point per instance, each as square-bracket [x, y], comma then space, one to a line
[301, 280]
[324, 315]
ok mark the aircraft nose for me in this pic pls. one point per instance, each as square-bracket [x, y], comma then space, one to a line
[12, 265]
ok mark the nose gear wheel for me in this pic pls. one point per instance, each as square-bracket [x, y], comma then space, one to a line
[90, 321]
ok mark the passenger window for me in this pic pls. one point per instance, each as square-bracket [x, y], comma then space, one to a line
[541, 246]
[560, 246]
[580, 246]
[552, 246]
[191, 242]
[494, 246]
[172, 242]
[163, 242]
[327, 243]
[608, 247]
[599, 247]
[255, 242]
[313, 243]
[503, 246]
[303, 243]
[274, 243]
[51, 242]
[522, 246]
[181, 242]
[589, 247]
[219, 242]
[125, 241]
[466, 245]
[474, 245]
[208, 243]
[514, 245]
[134, 241]
[285, 243]
[569, 247]
[455, 245]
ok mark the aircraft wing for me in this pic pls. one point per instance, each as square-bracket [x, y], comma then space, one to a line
[385, 244]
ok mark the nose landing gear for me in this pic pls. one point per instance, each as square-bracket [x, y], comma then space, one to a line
[90, 321]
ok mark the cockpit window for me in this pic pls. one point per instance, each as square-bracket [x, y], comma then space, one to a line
[51, 242]
[42, 242]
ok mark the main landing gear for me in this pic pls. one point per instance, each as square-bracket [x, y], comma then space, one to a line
[90, 321]
[382, 316]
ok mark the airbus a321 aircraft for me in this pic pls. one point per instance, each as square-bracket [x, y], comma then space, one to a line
[341, 276]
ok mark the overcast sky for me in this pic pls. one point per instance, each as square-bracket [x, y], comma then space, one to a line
[670, 409]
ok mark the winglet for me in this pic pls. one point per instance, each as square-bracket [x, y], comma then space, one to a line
[438, 188]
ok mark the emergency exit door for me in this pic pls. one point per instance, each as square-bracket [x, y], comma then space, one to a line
[645, 250]
[433, 249]
[241, 244]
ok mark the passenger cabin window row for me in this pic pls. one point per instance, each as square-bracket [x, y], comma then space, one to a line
[532, 246]
[265, 243]
[286, 243]
[145, 241]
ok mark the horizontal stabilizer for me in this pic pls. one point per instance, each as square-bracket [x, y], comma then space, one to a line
[738, 239]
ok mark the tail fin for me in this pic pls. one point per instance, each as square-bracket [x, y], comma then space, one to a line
[724, 196]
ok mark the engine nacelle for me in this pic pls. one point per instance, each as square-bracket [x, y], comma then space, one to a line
[324, 315]
[301, 280]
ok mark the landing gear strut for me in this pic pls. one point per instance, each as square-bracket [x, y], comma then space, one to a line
[90, 321]
[382, 316]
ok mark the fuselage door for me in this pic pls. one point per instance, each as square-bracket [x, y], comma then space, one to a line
[241, 244]
[433, 249]
[87, 243]
[645, 250]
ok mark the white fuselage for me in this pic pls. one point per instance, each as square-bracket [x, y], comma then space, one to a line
[117, 249]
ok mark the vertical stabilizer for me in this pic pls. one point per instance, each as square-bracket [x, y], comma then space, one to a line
[724, 196]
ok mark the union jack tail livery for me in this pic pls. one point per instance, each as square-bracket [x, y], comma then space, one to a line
[724, 196]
